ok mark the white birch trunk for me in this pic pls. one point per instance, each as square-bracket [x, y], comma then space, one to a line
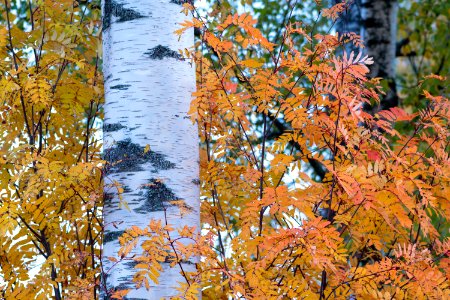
[147, 96]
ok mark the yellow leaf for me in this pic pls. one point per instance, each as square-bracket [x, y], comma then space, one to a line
[147, 148]
[251, 63]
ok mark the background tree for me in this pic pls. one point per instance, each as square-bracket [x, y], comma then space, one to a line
[151, 146]
[376, 23]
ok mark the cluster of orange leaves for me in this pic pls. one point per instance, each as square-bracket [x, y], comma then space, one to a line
[373, 228]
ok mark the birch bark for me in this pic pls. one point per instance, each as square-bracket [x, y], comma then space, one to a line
[376, 22]
[147, 96]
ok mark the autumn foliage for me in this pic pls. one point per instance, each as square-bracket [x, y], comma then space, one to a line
[51, 91]
[374, 225]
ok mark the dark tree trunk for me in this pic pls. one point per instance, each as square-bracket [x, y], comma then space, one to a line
[376, 22]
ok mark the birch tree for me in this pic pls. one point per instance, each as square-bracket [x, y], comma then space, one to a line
[151, 146]
[376, 22]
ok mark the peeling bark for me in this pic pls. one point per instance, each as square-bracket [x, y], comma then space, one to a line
[147, 95]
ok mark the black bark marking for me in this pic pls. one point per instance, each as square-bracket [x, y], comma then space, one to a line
[125, 281]
[157, 195]
[180, 2]
[121, 87]
[196, 181]
[159, 52]
[107, 197]
[126, 156]
[131, 264]
[112, 127]
[126, 189]
[112, 236]
[112, 8]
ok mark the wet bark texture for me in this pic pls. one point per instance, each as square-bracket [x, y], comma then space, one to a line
[376, 22]
[147, 95]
